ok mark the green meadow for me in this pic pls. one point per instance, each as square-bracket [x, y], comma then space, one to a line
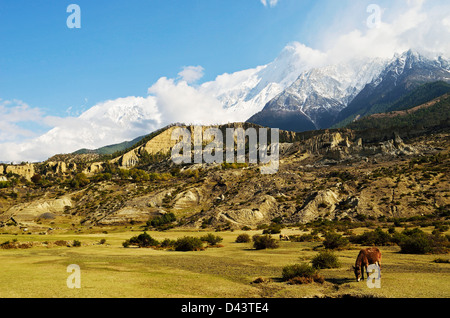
[108, 270]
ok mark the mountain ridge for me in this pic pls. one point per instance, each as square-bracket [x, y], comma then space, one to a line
[340, 100]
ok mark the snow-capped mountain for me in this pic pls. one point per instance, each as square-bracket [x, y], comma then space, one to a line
[246, 92]
[321, 97]
[401, 75]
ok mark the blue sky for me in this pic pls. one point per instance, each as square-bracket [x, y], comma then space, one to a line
[123, 47]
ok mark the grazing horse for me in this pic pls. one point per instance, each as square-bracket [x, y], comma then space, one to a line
[284, 237]
[366, 257]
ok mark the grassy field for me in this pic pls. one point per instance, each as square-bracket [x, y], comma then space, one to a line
[110, 270]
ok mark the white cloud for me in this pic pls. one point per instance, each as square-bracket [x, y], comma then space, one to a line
[14, 115]
[404, 25]
[271, 3]
[191, 74]
[180, 102]
[104, 124]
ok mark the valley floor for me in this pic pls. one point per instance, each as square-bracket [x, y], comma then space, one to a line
[109, 270]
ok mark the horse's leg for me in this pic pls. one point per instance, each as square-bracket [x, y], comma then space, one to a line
[379, 266]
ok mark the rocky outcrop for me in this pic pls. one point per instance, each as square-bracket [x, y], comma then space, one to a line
[31, 211]
[26, 171]
[320, 204]
[94, 168]
[187, 199]
[59, 167]
[162, 143]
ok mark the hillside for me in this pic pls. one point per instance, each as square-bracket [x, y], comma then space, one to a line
[324, 175]
[430, 114]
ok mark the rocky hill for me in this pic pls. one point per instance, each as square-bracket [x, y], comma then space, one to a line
[323, 175]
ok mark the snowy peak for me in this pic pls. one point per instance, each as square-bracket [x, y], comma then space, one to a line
[246, 92]
[329, 94]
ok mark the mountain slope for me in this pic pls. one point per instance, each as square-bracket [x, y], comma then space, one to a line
[246, 92]
[335, 95]
[109, 150]
[433, 113]
[318, 95]
[403, 74]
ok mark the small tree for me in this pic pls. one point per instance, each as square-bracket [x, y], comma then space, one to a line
[142, 240]
[211, 239]
[243, 238]
[188, 243]
[325, 259]
[261, 242]
[273, 228]
[335, 241]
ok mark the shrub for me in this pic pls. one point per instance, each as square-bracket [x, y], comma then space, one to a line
[211, 239]
[7, 245]
[273, 228]
[188, 243]
[261, 242]
[243, 238]
[415, 241]
[76, 243]
[168, 243]
[79, 181]
[325, 259]
[60, 243]
[335, 241]
[162, 221]
[304, 238]
[377, 237]
[142, 240]
[442, 260]
[301, 274]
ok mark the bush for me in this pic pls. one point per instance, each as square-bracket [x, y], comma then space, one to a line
[335, 241]
[301, 274]
[325, 259]
[304, 238]
[162, 221]
[243, 238]
[142, 240]
[79, 181]
[261, 242]
[273, 228]
[188, 243]
[211, 239]
[377, 237]
[416, 241]
[76, 243]
[168, 243]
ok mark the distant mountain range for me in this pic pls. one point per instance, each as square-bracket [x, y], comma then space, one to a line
[334, 96]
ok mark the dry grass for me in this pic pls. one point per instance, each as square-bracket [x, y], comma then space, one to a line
[109, 270]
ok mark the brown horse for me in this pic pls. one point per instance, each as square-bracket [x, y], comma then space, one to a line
[366, 257]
